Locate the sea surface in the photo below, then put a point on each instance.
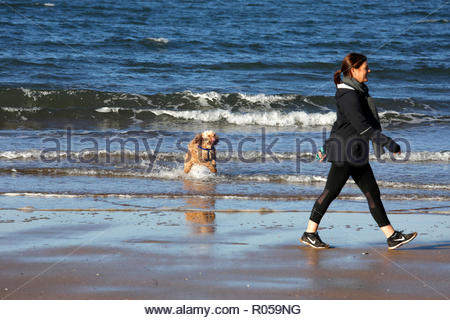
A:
(101, 98)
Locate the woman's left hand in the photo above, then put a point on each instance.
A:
(322, 156)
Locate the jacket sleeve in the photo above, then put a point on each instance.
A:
(351, 107)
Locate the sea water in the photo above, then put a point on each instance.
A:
(101, 98)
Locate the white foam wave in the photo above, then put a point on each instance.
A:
(267, 118)
(41, 195)
(433, 21)
(285, 197)
(35, 94)
(420, 156)
(206, 98)
(423, 156)
(46, 4)
(158, 40)
(35, 154)
(108, 110)
(303, 179)
(20, 155)
(407, 117)
(270, 118)
(407, 185)
(178, 173)
(315, 104)
(15, 109)
(31, 155)
(250, 114)
(265, 99)
(200, 173)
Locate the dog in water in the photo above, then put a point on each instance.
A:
(201, 150)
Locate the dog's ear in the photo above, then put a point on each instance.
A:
(198, 139)
(216, 140)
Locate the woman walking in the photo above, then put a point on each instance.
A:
(348, 149)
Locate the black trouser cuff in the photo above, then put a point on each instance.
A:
(316, 215)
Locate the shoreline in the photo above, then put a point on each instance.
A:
(208, 254)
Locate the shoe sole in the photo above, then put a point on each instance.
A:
(309, 244)
(404, 242)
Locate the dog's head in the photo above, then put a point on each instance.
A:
(207, 139)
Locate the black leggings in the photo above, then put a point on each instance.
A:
(363, 176)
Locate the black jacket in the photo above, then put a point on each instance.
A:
(354, 127)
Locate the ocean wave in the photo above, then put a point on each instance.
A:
(231, 196)
(390, 116)
(132, 156)
(178, 174)
(427, 156)
(64, 106)
(272, 118)
(303, 179)
(158, 40)
(277, 118)
(433, 21)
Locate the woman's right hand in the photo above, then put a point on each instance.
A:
(393, 147)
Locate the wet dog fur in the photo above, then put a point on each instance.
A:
(206, 156)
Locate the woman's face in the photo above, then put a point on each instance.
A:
(360, 74)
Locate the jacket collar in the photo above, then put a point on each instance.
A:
(344, 86)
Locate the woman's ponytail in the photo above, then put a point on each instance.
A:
(337, 77)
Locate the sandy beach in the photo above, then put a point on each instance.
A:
(117, 249)
(99, 101)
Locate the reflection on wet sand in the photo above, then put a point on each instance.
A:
(201, 221)
(312, 257)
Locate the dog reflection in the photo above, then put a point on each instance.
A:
(202, 221)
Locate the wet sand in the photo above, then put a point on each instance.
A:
(213, 255)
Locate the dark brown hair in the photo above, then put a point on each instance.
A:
(352, 60)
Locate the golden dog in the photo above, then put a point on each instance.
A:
(201, 150)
